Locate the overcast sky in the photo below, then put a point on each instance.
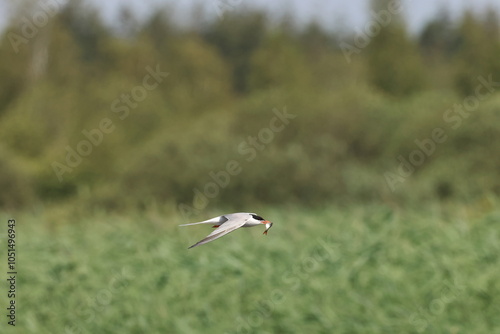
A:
(333, 13)
(349, 13)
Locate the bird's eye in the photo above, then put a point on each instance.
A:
(257, 217)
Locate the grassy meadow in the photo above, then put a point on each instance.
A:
(371, 269)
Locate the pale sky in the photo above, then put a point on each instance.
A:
(350, 14)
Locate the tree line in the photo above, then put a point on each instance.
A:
(138, 113)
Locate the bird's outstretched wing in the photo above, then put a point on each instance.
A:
(221, 231)
(217, 220)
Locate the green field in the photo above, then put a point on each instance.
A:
(335, 270)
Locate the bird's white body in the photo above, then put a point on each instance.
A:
(229, 223)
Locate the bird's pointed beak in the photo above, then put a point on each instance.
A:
(268, 226)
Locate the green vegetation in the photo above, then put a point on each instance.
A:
(341, 270)
(139, 115)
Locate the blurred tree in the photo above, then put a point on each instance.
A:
(279, 63)
(325, 60)
(15, 181)
(160, 31)
(478, 52)
(438, 44)
(201, 79)
(86, 28)
(492, 24)
(13, 74)
(438, 39)
(128, 24)
(394, 63)
(315, 41)
(60, 85)
(236, 37)
(64, 55)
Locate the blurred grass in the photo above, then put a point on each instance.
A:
(348, 269)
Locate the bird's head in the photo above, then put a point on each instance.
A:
(263, 221)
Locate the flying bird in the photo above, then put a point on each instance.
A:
(228, 223)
